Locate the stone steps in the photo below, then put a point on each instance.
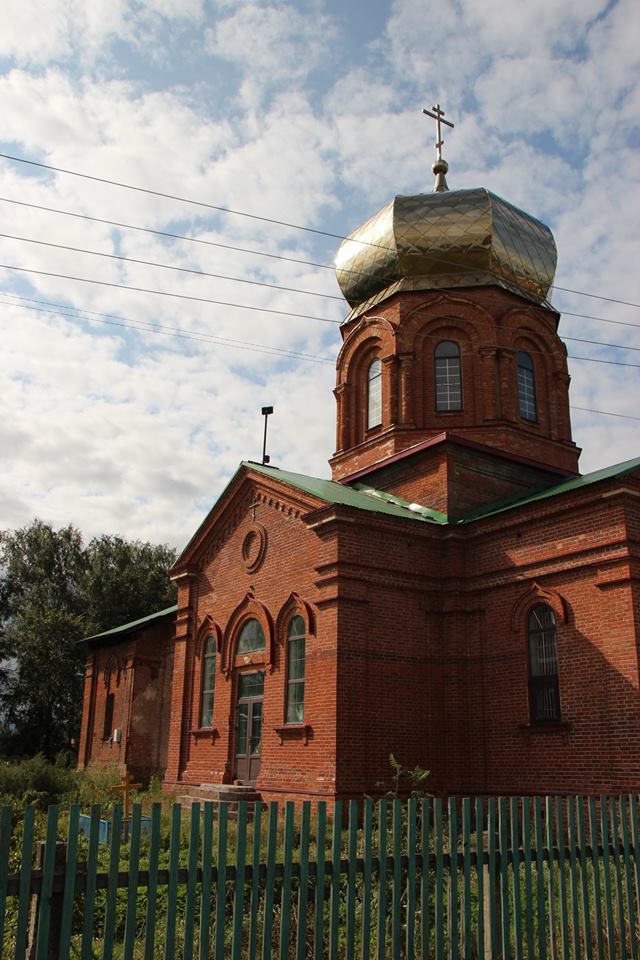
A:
(217, 793)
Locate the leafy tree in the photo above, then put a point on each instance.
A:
(125, 580)
(42, 622)
(54, 592)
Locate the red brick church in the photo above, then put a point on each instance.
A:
(458, 595)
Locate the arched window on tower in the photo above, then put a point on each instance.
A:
(447, 376)
(374, 394)
(295, 669)
(526, 387)
(544, 685)
(208, 681)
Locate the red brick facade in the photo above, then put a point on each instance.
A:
(417, 628)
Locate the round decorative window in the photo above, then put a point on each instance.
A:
(254, 547)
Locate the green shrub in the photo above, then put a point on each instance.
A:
(95, 785)
(35, 781)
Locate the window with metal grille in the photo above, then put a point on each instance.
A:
(526, 387)
(208, 681)
(295, 669)
(374, 394)
(544, 686)
(447, 376)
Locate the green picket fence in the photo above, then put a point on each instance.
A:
(511, 878)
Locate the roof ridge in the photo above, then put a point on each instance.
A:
(544, 493)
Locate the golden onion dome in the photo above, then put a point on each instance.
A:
(457, 238)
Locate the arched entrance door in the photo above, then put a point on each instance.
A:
(249, 726)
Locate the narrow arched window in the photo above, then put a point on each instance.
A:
(447, 376)
(295, 669)
(526, 387)
(374, 394)
(251, 638)
(544, 686)
(107, 726)
(208, 681)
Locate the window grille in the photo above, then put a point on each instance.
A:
(374, 395)
(544, 686)
(526, 387)
(448, 379)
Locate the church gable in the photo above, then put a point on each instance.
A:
(245, 492)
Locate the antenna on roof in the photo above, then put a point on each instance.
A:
(266, 413)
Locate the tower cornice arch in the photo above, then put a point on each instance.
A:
(455, 309)
(542, 318)
(376, 328)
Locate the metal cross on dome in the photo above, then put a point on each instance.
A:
(438, 115)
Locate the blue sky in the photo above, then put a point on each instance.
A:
(304, 112)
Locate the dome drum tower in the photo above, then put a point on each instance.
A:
(451, 338)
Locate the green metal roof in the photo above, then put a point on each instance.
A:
(566, 486)
(128, 627)
(360, 495)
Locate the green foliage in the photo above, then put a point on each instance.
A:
(42, 621)
(35, 781)
(405, 780)
(125, 580)
(53, 592)
(95, 785)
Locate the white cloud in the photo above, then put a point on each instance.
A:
(274, 45)
(38, 32)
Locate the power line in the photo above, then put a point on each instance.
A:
(171, 196)
(167, 293)
(167, 266)
(586, 316)
(124, 321)
(163, 329)
(260, 283)
(166, 330)
(183, 296)
(605, 413)
(169, 235)
(241, 213)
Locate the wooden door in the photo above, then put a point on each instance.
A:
(249, 726)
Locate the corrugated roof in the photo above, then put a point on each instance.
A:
(127, 627)
(360, 495)
(575, 483)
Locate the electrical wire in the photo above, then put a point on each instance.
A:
(260, 283)
(167, 266)
(166, 330)
(177, 331)
(251, 216)
(169, 235)
(171, 196)
(167, 293)
(295, 315)
(605, 413)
